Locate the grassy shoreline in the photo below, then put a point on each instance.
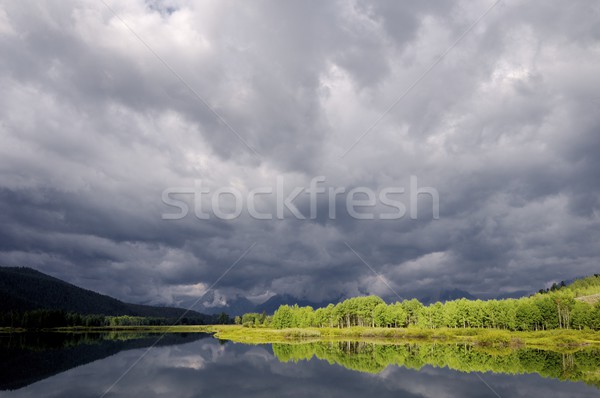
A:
(557, 339)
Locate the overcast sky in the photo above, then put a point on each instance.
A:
(104, 106)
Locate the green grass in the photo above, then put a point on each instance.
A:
(561, 339)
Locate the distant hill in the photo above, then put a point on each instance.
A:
(237, 305)
(581, 287)
(24, 289)
(274, 302)
(585, 289)
(240, 305)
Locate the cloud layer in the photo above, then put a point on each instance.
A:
(94, 126)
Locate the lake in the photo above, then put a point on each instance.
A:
(198, 365)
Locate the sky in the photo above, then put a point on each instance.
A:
(108, 108)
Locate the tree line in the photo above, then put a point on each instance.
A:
(552, 309)
(47, 318)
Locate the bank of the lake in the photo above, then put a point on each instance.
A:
(559, 339)
(555, 339)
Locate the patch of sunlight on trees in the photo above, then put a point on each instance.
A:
(554, 308)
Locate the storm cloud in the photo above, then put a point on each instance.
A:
(104, 106)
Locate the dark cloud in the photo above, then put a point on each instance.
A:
(93, 128)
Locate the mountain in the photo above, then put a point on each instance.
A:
(274, 302)
(213, 303)
(23, 289)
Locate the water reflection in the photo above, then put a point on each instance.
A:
(206, 367)
(581, 365)
(29, 357)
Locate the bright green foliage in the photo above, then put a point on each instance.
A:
(397, 315)
(595, 317)
(565, 302)
(357, 311)
(552, 309)
(527, 315)
(282, 318)
(413, 309)
(585, 286)
(548, 313)
(432, 317)
(253, 319)
(582, 315)
(303, 316)
(380, 315)
(325, 317)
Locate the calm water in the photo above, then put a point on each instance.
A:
(197, 365)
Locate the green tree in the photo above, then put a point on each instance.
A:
(564, 305)
(380, 314)
(548, 312)
(223, 319)
(413, 308)
(581, 316)
(282, 318)
(527, 315)
(397, 315)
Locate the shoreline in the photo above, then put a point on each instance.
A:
(556, 339)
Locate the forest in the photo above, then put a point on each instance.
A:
(44, 318)
(573, 306)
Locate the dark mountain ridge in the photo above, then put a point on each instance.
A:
(25, 289)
